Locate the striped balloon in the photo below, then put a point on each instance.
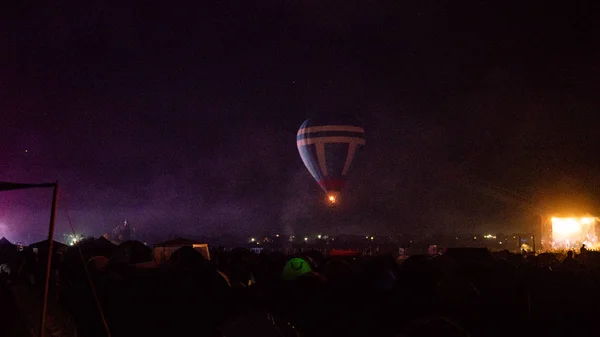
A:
(327, 147)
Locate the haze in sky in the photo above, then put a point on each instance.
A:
(182, 120)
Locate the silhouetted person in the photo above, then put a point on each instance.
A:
(569, 262)
(583, 250)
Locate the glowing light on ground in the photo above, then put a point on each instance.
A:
(73, 239)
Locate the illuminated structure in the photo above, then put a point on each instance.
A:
(560, 233)
(163, 251)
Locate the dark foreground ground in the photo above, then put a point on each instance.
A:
(11, 323)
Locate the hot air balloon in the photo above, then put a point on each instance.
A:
(327, 147)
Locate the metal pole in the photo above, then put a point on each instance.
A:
(48, 261)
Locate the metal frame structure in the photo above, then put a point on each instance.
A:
(9, 186)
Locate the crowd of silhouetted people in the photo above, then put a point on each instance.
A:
(463, 292)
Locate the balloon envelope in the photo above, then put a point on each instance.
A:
(328, 147)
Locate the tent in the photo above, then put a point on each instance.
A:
(163, 251)
(132, 252)
(294, 268)
(98, 262)
(41, 247)
(188, 256)
(97, 247)
(7, 250)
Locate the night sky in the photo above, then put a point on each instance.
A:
(183, 119)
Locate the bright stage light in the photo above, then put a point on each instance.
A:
(573, 230)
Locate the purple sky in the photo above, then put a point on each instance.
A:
(183, 120)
